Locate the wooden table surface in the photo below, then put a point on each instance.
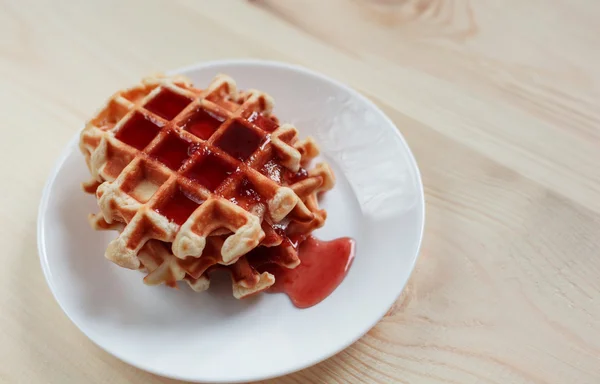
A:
(499, 100)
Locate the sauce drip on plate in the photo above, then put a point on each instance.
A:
(323, 266)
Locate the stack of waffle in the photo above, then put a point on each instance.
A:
(198, 180)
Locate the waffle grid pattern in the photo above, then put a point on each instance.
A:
(197, 178)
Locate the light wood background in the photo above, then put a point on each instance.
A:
(499, 100)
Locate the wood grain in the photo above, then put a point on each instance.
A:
(500, 101)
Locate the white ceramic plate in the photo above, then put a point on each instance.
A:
(212, 337)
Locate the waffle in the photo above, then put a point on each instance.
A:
(193, 180)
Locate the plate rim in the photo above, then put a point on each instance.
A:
(72, 144)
